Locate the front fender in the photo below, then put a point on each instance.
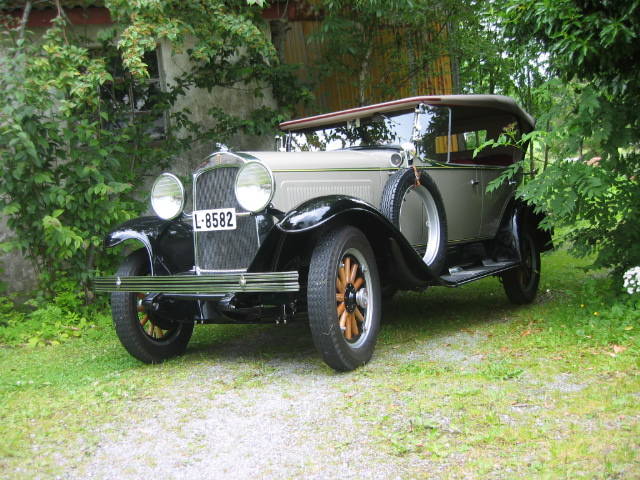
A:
(169, 243)
(296, 233)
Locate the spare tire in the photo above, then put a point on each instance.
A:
(418, 212)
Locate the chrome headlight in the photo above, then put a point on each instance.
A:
(167, 196)
(254, 186)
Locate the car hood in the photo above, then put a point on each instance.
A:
(337, 159)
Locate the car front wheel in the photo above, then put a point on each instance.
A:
(145, 335)
(521, 284)
(343, 298)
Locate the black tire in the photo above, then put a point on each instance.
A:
(157, 344)
(397, 187)
(521, 284)
(337, 250)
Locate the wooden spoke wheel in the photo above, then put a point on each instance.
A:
(149, 337)
(351, 298)
(343, 298)
(149, 325)
(521, 284)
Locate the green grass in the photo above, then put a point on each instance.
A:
(462, 378)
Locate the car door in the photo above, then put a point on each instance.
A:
(492, 163)
(495, 202)
(460, 188)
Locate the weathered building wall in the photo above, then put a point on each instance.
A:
(237, 100)
(18, 273)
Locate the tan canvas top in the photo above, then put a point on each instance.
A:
(499, 102)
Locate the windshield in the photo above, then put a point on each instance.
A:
(378, 130)
(390, 130)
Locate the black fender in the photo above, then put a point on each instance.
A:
(169, 243)
(527, 218)
(297, 231)
(518, 218)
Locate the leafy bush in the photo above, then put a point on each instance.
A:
(599, 204)
(49, 322)
(71, 147)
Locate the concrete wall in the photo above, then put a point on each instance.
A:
(238, 100)
(16, 272)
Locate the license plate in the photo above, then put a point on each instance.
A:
(215, 219)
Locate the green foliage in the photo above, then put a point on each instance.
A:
(591, 48)
(67, 174)
(379, 46)
(73, 152)
(599, 203)
(48, 321)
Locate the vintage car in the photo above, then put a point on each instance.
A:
(351, 207)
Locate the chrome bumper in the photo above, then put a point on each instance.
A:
(209, 283)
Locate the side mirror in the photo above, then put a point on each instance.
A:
(280, 143)
(409, 152)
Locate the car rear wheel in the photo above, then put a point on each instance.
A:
(416, 209)
(343, 298)
(145, 335)
(521, 284)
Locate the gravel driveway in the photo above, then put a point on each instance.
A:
(287, 419)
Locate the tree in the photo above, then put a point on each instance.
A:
(380, 46)
(71, 153)
(593, 48)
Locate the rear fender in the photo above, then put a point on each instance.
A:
(529, 220)
(520, 217)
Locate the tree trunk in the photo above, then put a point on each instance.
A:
(22, 26)
(89, 296)
(364, 75)
(546, 150)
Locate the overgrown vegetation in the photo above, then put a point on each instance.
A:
(44, 320)
(569, 63)
(73, 148)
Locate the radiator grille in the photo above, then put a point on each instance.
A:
(224, 249)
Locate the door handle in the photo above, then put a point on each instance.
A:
(474, 182)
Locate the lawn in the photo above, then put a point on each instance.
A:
(461, 378)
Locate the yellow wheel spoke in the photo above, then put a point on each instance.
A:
(343, 320)
(341, 308)
(354, 325)
(354, 272)
(358, 283)
(144, 320)
(343, 276)
(359, 315)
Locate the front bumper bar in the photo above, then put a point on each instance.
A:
(209, 283)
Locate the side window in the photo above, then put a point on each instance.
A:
(433, 125)
(471, 127)
(137, 102)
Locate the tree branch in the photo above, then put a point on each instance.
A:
(25, 19)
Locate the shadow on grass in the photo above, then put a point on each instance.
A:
(409, 317)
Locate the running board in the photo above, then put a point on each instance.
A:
(459, 276)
